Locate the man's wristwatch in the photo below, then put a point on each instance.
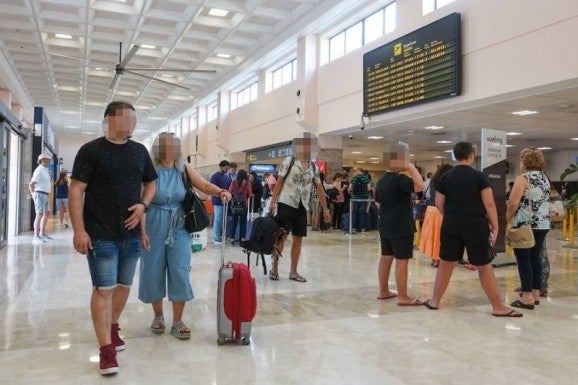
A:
(146, 206)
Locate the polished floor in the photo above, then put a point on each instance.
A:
(330, 330)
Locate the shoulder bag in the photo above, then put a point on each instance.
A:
(195, 215)
(521, 237)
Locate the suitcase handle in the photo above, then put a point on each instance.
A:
(224, 229)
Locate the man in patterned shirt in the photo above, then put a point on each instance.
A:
(297, 176)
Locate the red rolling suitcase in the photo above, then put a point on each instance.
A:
(236, 299)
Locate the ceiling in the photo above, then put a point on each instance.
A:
(71, 77)
(554, 125)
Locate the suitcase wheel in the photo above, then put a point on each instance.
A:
(245, 341)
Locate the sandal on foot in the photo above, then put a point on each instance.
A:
(389, 295)
(522, 305)
(413, 302)
(511, 313)
(428, 305)
(273, 276)
(180, 331)
(158, 325)
(297, 278)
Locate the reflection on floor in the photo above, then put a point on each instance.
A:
(330, 330)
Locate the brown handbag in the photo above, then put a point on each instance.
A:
(521, 237)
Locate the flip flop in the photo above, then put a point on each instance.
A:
(390, 295)
(511, 313)
(427, 304)
(298, 278)
(414, 302)
(273, 276)
(522, 305)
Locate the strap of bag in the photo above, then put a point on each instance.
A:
(286, 175)
(186, 179)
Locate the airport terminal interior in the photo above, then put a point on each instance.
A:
(240, 80)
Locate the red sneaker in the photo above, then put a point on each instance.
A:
(115, 338)
(108, 364)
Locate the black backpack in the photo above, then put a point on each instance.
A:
(359, 188)
(264, 234)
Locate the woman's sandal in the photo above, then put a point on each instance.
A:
(180, 331)
(158, 325)
(274, 272)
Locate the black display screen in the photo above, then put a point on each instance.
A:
(421, 66)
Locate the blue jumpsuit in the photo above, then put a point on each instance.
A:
(166, 266)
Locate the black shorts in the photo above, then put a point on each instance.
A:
(469, 233)
(292, 219)
(400, 248)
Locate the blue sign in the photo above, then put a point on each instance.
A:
(262, 168)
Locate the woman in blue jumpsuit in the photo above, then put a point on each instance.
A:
(166, 257)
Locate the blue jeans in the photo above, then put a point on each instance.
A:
(530, 263)
(218, 223)
(242, 221)
(113, 262)
(360, 216)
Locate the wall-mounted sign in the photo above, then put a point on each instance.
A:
(262, 168)
(421, 66)
(280, 150)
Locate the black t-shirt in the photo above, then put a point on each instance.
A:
(462, 186)
(393, 193)
(114, 174)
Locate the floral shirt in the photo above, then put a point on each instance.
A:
(298, 183)
(534, 202)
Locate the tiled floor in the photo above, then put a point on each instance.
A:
(330, 330)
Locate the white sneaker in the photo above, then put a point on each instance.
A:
(38, 240)
(45, 237)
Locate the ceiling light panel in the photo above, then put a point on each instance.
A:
(524, 112)
(217, 12)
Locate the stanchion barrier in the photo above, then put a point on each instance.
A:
(571, 225)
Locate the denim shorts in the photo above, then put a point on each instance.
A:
(41, 203)
(113, 263)
(62, 203)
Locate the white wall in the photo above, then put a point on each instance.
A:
(68, 146)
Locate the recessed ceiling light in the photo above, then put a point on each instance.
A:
(167, 76)
(524, 112)
(439, 157)
(411, 154)
(444, 141)
(513, 133)
(449, 151)
(223, 55)
(218, 12)
(374, 158)
(574, 138)
(434, 127)
(544, 148)
(509, 145)
(375, 137)
(62, 36)
(361, 161)
(148, 46)
(375, 162)
(356, 152)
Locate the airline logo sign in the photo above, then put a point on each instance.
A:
(493, 147)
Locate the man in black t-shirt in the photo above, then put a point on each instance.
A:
(396, 227)
(470, 222)
(113, 181)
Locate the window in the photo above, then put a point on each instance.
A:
(431, 5)
(284, 74)
(246, 95)
(212, 112)
(367, 30)
(192, 122)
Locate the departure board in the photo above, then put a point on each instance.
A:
(421, 66)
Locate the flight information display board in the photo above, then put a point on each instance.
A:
(421, 66)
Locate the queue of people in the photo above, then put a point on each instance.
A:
(121, 214)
